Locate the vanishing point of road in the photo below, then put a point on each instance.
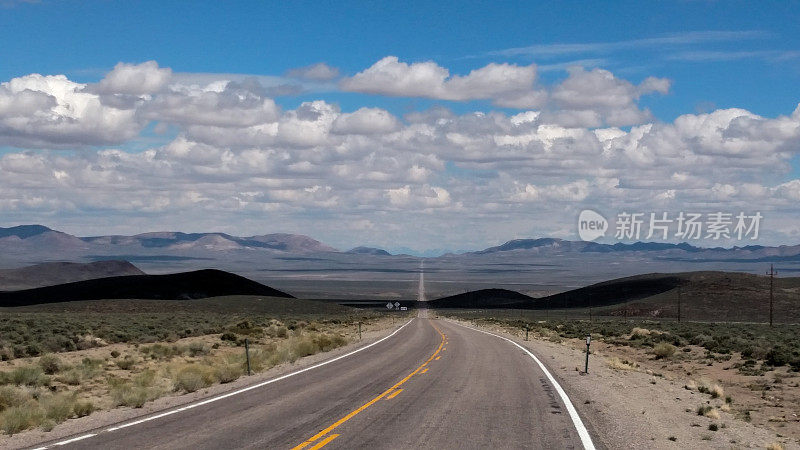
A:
(430, 384)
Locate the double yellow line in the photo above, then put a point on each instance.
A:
(391, 392)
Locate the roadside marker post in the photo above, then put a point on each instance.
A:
(588, 341)
(359, 331)
(247, 354)
(526, 332)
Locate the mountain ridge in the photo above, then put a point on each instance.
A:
(41, 235)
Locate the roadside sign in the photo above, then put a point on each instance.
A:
(404, 308)
(396, 304)
(389, 305)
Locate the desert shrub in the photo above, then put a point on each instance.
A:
(274, 331)
(50, 364)
(83, 408)
(246, 328)
(327, 342)
(781, 355)
(146, 378)
(713, 427)
(197, 349)
(59, 407)
(637, 332)
(28, 376)
(162, 352)
(226, 372)
(228, 336)
(129, 394)
(701, 340)
(115, 353)
(10, 397)
(71, 377)
(193, 377)
(126, 363)
(663, 350)
(304, 346)
(20, 418)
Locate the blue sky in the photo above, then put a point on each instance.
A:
(714, 55)
(759, 69)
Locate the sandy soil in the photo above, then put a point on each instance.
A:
(649, 406)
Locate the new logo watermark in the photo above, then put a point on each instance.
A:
(685, 225)
(591, 225)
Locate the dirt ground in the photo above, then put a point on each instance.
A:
(629, 399)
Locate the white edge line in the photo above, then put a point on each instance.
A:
(231, 394)
(583, 433)
(75, 439)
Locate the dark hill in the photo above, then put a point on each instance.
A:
(177, 286)
(612, 292)
(484, 298)
(601, 294)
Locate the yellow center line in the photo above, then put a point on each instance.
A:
(350, 415)
(394, 394)
(424, 370)
(437, 358)
(324, 442)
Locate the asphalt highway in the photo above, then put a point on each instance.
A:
(433, 384)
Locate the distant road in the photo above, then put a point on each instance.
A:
(421, 289)
(432, 384)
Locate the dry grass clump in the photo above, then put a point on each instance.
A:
(135, 393)
(21, 409)
(775, 446)
(663, 350)
(639, 332)
(126, 363)
(193, 377)
(227, 372)
(25, 376)
(708, 411)
(618, 364)
(714, 390)
(50, 364)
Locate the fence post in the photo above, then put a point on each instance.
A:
(247, 354)
(588, 341)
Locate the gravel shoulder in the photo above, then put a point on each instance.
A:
(640, 408)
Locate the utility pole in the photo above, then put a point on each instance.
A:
(771, 274)
(680, 291)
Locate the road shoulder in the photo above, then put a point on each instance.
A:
(631, 409)
(108, 418)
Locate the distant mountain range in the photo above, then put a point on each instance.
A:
(552, 245)
(41, 238)
(40, 235)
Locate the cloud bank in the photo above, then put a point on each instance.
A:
(238, 162)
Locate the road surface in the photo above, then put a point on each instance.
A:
(421, 288)
(431, 384)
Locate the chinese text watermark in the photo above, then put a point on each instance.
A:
(683, 225)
